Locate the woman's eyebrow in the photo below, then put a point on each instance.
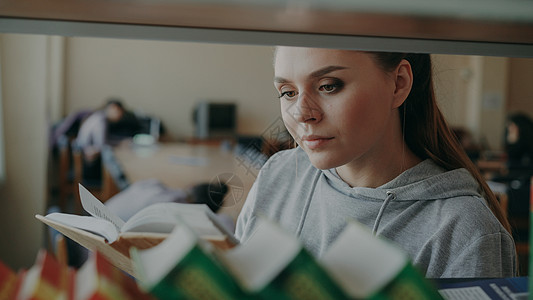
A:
(280, 80)
(315, 74)
(325, 71)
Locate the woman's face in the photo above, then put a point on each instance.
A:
(338, 105)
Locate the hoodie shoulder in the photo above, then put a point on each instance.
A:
(428, 181)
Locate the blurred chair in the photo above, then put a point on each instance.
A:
(61, 136)
(519, 193)
(93, 185)
(65, 250)
(113, 180)
(516, 204)
(65, 171)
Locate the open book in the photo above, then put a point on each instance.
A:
(106, 232)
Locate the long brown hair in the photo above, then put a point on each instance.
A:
(426, 132)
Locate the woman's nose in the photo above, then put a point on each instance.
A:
(306, 109)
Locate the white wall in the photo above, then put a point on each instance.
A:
(452, 78)
(24, 68)
(166, 79)
(520, 85)
(472, 92)
(493, 100)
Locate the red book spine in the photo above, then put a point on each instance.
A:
(127, 284)
(8, 282)
(54, 278)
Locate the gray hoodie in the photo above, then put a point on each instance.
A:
(436, 216)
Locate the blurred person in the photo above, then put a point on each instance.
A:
(106, 126)
(518, 168)
(519, 141)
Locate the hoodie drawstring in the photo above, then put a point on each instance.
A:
(390, 196)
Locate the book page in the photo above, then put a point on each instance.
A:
(162, 218)
(97, 209)
(95, 225)
(361, 262)
(154, 263)
(268, 251)
(469, 293)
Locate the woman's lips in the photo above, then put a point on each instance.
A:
(315, 142)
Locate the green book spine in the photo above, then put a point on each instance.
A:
(197, 276)
(530, 271)
(408, 284)
(304, 279)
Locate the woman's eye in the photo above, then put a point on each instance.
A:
(288, 94)
(328, 87)
(331, 87)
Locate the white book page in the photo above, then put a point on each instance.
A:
(29, 282)
(162, 218)
(258, 261)
(361, 262)
(95, 225)
(97, 209)
(466, 293)
(86, 277)
(154, 263)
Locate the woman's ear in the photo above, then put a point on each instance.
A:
(404, 82)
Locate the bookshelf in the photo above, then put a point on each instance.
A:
(475, 27)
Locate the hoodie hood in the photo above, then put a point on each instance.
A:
(425, 181)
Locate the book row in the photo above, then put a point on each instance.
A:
(50, 279)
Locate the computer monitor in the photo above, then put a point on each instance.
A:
(215, 120)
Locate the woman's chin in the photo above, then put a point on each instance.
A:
(322, 162)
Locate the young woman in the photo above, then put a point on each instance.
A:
(374, 147)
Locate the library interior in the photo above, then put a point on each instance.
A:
(140, 114)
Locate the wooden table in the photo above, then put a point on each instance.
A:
(179, 165)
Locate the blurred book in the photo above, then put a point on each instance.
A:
(47, 279)
(183, 267)
(273, 264)
(370, 267)
(9, 282)
(98, 279)
(512, 288)
(531, 233)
